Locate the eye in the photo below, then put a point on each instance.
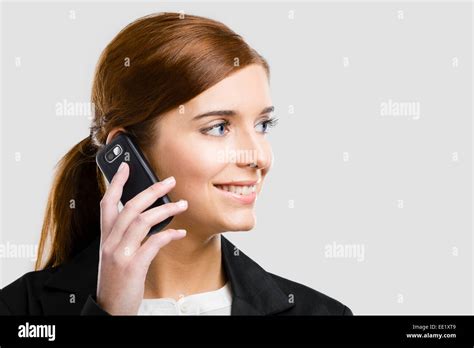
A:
(269, 123)
(216, 130)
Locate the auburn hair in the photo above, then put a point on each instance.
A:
(156, 63)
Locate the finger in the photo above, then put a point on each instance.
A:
(140, 227)
(146, 253)
(136, 205)
(110, 200)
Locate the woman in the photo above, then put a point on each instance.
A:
(197, 99)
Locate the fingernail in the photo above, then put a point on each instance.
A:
(181, 231)
(169, 181)
(182, 203)
(122, 165)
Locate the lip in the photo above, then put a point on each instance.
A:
(247, 199)
(239, 183)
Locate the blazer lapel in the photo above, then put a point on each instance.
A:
(254, 292)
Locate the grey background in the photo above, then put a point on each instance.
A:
(417, 259)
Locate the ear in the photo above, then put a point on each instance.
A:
(113, 133)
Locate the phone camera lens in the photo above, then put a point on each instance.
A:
(113, 154)
(110, 156)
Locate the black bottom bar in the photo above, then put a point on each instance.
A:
(162, 330)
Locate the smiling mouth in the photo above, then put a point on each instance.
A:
(242, 190)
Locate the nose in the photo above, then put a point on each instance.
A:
(255, 150)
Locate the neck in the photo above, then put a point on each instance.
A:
(186, 266)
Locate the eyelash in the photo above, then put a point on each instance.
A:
(271, 122)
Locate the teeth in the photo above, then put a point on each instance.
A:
(240, 190)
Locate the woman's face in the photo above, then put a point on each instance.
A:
(202, 152)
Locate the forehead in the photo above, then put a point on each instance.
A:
(247, 90)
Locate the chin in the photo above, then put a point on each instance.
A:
(240, 224)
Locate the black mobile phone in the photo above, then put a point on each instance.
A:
(122, 148)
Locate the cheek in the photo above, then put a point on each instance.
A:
(193, 164)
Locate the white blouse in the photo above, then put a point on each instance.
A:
(216, 302)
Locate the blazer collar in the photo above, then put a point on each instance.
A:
(254, 291)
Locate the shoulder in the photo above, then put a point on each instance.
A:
(309, 301)
(22, 295)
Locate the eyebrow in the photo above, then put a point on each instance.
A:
(266, 110)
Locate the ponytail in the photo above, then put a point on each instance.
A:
(72, 215)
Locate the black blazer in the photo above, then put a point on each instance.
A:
(70, 289)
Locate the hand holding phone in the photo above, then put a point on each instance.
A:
(124, 255)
